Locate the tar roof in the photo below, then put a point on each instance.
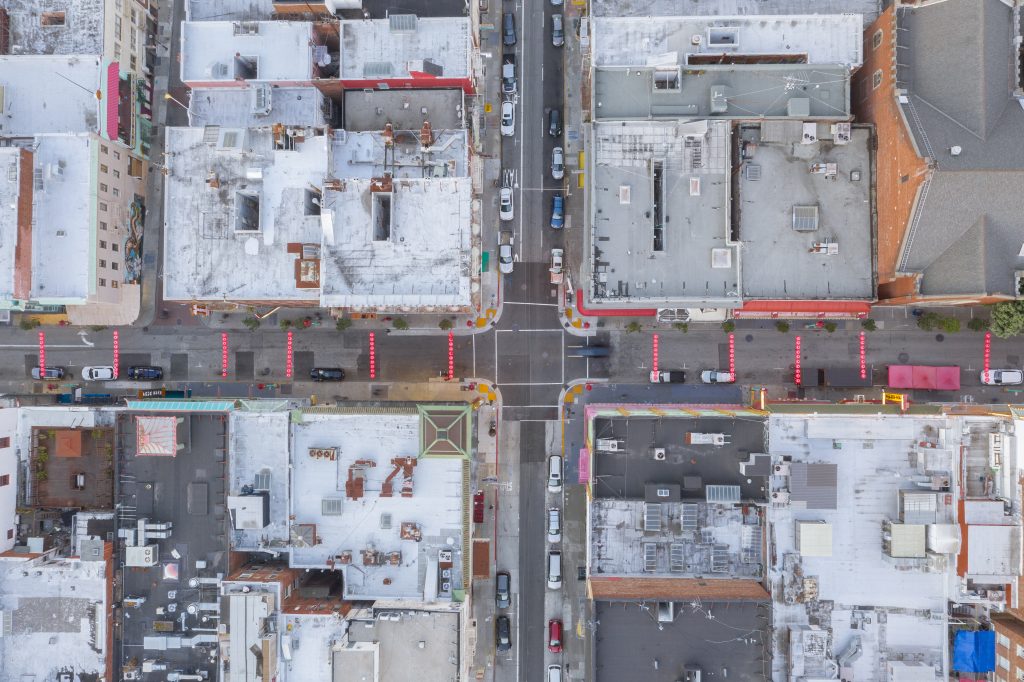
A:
(852, 568)
(58, 607)
(421, 258)
(212, 187)
(724, 91)
(383, 48)
(247, 107)
(343, 465)
(955, 62)
(264, 51)
(10, 161)
(63, 217)
(404, 644)
(695, 263)
(67, 103)
(785, 176)
(821, 38)
(642, 8)
(55, 26)
(371, 110)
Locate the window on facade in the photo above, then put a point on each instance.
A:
(52, 19)
(103, 225)
(1020, 651)
(103, 263)
(117, 173)
(876, 39)
(117, 29)
(10, 533)
(5, 442)
(103, 207)
(103, 149)
(113, 284)
(1020, 674)
(116, 192)
(113, 247)
(103, 187)
(103, 282)
(1003, 640)
(5, 480)
(133, 62)
(876, 79)
(113, 266)
(1004, 662)
(117, 154)
(103, 244)
(103, 168)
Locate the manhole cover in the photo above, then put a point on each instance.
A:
(903, 358)
(940, 338)
(748, 338)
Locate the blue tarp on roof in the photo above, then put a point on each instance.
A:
(974, 652)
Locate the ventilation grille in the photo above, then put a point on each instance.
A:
(262, 481)
(402, 23)
(650, 557)
(331, 506)
(652, 517)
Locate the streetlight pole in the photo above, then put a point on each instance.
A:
(169, 97)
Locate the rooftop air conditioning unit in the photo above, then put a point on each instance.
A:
(659, 454)
(217, 70)
(261, 100)
(781, 469)
(780, 497)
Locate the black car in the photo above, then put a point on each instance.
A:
(508, 29)
(503, 590)
(145, 373)
(503, 633)
(50, 373)
(327, 374)
(555, 123)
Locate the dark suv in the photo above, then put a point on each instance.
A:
(508, 29)
(50, 373)
(503, 590)
(145, 373)
(555, 122)
(327, 374)
(503, 633)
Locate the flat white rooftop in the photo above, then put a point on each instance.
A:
(409, 247)
(9, 193)
(246, 107)
(211, 251)
(50, 94)
(228, 10)
(258, 454)
(46, 27)
(361, 155)
(315, 638)
(872, 456)
(639, 41)
(405, 46)
(364, 445)
(57, 608)
(63, 217)
(226, 51)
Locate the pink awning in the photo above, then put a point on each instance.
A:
(113, 96)
(583, 472)
(924, 377)
(947, 378)
(901, 376)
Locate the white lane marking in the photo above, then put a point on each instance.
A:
(85, 338)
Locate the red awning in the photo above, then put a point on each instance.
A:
(901, 376)
(845, 309)
(924, 377)
(611, 312)
(113, 96)
(947, 378)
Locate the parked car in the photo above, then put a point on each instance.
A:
(556, 266)
(327, 374)
(716, 376)
(693, 673)
(505, 208)
(554, 569)
(503, 590)
(557, 212)
(509, 85)
(554, 473)
(1003, 377)
(478, 506)
(674, 376)
(593, 351)
(50, 373)
(557, 163)
(503, 633)
(508, 119)
(556, 3)
(98, 373)
(554, 122)
(554, 525)
(554, 673)
(145, 373)
(506, 259)
(508, 29)
(557, 30)
(555, 636)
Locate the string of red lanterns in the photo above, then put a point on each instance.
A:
(796, 376)
(988, 351)
(224, 355)
(117, 353)
(42, 355)
(863, 363)
(732, 356)
(373, 356)
(288, 358)
(451, 356)
(654, 353)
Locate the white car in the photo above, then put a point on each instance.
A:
(508, 119)
(1002, 377)
(505, 257)
(505, 209)
(97, 373)
(714, 376)
(554, 525)
(557, 163)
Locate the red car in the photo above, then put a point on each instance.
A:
(478, 506)
(555, 636)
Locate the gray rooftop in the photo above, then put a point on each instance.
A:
(81, 31)
(10, 164)
(246, 107)
(779, 182)
(723, 91)
(209, 252)
(227, 10)
(67, 103)
(380, 48)
(361, 155)
(404, 109)
(626, 266)
(955, 64)
(635, 8)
